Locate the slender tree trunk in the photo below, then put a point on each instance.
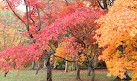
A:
(78, 72)
(6, 73)
(38, 68)
(33, 64)
(49, 71)
(44, 64)
(73, 64)
(66, 65)
(38, 65)
(55, 67)
(89, 70)
(93, 75)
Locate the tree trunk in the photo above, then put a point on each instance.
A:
(89, 70)
(55, 66)
(78, 72)
(73, 64)
(93, 75)
(6, 73)
(49, 71)
(38, 65)
(45, 61)
(66, 65)
(125, 79)
(33, 64)
(38, 68)
(105, 4)
(44, 65)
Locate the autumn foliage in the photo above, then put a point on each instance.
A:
(46, 28)
(118, 36)
(60, 29)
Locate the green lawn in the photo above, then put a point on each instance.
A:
(58, 75)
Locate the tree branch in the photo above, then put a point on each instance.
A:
(15, 13)
(99, 4)
(64, 59)
(78, 39)
(27, 16)
(27, 25)
(31, 17)
(39, 27)
(67, 2)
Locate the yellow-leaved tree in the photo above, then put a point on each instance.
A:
(10, 34)
(70, 57)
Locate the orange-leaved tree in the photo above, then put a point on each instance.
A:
(118, 35)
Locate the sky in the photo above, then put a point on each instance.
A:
(21, 7)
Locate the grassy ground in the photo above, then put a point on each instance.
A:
(58, 75)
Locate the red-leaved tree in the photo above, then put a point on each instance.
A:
(47, 24)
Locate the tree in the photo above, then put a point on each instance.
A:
(80, 32)
(33, 24)
(10, 35)
(46, 28)
(118, 36)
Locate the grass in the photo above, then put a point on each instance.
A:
(58, 75)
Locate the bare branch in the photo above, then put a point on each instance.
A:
(64, 59)
(15, 13)
(27, 16)
(78, 38)
(100, 4)
(27, 25)
(39, 27)
(31, 17)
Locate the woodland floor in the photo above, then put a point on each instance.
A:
(58, 75)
